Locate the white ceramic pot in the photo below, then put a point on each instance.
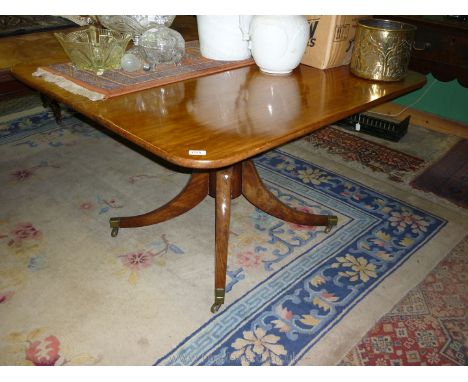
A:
(224, 38)
(278, 42)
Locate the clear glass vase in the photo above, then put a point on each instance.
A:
(134, 24)
(162, 45)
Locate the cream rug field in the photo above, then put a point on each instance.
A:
(72, 294)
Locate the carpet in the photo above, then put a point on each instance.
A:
(448, 178)
(15, 25)
(72, 295)
(375, 156)
(395, 163)
(19, 104)
(428, 327)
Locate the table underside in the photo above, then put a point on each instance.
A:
(226, 119)
(224, 185)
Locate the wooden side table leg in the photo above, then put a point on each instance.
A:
(222, 220)
(54, 106)
(256, 193)
(193, 193)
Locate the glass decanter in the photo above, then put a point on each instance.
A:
(162, 45)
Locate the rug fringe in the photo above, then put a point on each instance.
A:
(68, 85)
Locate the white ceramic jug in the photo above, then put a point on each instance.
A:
(278, 42)
(224, 38)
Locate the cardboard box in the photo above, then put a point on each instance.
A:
(331, 40)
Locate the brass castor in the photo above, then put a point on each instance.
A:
(332, 222)
(114, 224)
(219, 300)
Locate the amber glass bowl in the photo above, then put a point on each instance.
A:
(94, 49)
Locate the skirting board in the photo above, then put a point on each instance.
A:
(424, 119)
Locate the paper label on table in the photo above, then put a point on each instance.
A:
(197, 152)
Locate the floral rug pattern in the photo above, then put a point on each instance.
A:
(319, 293)
(40, 348)
(71, 294)
(371, 155)
(428, 327)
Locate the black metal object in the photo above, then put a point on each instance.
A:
(54, 106)
(378, 127)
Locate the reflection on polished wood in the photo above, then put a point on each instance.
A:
(222, 220)
(229, 118)
(236, 181)
(233, 115)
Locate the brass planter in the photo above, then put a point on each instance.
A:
(382, 49)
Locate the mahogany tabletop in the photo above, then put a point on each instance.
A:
(221, 119)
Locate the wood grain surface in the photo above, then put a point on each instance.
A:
(230, 116)
(193, 193)
(222, 222)
(258, 194)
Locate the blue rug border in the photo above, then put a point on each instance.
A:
(304, 351)
(362, 185)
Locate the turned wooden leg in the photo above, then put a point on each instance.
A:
(222, 218)
(54, 106)
(236, 181)
(256, 193)
(192, 194)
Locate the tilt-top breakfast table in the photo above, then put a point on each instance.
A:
(216, 124)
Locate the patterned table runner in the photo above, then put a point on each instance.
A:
(118, 82)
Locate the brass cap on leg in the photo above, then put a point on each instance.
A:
(332, 221)
(114, 224)
(219, 299)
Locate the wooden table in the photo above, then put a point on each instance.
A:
(214, 125)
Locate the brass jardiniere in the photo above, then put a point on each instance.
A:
(382, 49)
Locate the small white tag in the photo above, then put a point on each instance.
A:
(197, 152)
(358, 126)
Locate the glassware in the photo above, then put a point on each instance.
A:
(163, 45)
(135, 58)
(94, 49)
(134, 24)
(131, 62)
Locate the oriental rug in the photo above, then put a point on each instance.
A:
(448, 178)
(372, 155)
(428, 327)
(71, 294)
(396, 163)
